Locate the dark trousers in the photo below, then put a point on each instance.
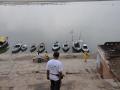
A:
(55, 85)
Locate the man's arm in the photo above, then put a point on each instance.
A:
(48, 74)
(61, 75)
(60, 71)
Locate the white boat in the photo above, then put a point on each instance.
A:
(76, 46)
(41, 48)
(56, 46)
(16, 48)
(33, 48)
(23, 47)
(65, 47)
(85, 48)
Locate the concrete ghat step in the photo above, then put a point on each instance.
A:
(114, 83)
(6, 88)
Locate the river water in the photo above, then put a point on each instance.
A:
(93, 22)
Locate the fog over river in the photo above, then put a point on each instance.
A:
(94, 22)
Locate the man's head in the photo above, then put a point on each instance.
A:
(56, 55)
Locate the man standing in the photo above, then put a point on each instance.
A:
(46, 56)
(54, 72)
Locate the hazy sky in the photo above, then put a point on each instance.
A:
(96, 21)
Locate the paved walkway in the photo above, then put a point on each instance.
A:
(26, 75)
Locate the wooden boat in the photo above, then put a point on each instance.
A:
(23, 47)
(16, 48)
(56, 46)
(85, 48)
(3, 42)
(76, 46)
(33, 48)
(41, 48)
(65, 47)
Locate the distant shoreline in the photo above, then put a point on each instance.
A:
(44, 2)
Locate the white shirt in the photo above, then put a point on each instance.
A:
(54, 67)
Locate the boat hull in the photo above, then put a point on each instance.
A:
(32, 49)
(65, 49)
(56, 46)
(85, 50)
(56, 49)
(23, 47)
(76, 47)
(41, 48)
(16, 50)
(3, 42)
(5, 45)
(76, 50)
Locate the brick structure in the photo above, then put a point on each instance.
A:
(109, 59)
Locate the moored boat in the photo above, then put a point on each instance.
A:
(3, 42)
(41, 48)
(33, 48)
(65, 47)
(23, 47)
(56, 46)
(16, 48)
(76, 46)
(85, 48)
